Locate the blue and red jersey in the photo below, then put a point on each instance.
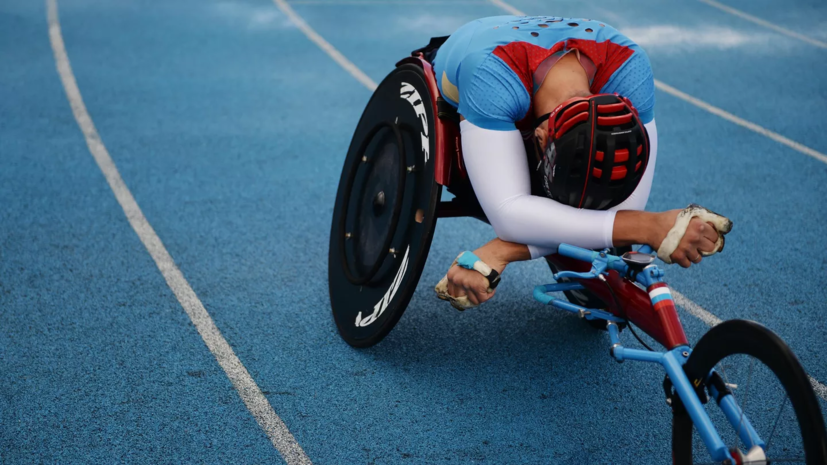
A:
(487, 67)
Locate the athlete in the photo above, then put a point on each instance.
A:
(557, 117)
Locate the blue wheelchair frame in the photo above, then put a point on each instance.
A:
(672, 360)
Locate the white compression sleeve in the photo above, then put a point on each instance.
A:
(498, 168)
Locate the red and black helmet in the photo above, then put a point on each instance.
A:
(596, 151)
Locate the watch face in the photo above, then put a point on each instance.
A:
(637, 258)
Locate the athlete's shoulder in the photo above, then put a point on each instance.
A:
(491, 95)
(633, 77)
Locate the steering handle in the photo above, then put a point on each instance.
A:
(598, 267)
(572, 274)
(600, 261)
(577, 253)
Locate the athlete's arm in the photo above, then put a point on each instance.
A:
(498, 169)
(624, 230)
(504, 193)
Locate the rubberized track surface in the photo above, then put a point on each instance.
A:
(229, 126)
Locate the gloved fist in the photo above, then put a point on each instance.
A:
(696, 233)
(469, 282)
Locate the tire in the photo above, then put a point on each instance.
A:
(385, 211)
(734, 337)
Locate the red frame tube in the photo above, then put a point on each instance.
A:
(661, 322)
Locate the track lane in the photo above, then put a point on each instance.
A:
(474, 387)
(750, 71)
(799, 176)
(757, 141)
(246, 387)
(100, 365)
(767, 24)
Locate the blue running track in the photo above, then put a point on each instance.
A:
(229, 127)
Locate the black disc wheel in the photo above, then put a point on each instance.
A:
(781, 420)
(385, 211)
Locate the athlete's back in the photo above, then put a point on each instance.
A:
(487, 67)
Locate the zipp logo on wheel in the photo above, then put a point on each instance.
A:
(409, 93)
(380, 306)
(370, 291)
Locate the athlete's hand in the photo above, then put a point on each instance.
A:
(462, 282)
(470, 283)
(699, 237)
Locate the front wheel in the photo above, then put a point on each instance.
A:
(781, 420)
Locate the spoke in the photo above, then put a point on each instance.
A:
(721, 366)
(778, 417)
(767, 462)
(732, 387)
(746, 396)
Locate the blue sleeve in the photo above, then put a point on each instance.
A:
(491, 95)
(634, 80)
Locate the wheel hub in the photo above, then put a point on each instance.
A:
(379, 203)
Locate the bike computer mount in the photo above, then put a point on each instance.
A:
(637, 260)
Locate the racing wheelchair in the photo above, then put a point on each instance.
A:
(406, 149)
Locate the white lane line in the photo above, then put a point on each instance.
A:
(710, 108)
(247, 389)
(691, 307)
(325, 45)
(711, 320)
(765, 23)
(741, 122)
(385, 2)
(820, 389)
(695, 310)
(511, 9)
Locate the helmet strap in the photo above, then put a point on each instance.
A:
(541, 120)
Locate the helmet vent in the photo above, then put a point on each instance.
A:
(599, 151)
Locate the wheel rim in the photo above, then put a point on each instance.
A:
(769, 385)
(765, 408)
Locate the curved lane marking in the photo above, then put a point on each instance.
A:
(247, 389)
(509, 8)
(711, 320)
(325, 45)
(741, 122)
(765, 23)
(710, 108)
(383, 2)
(691, 307)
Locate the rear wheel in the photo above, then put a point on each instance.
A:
(385, 211)
(772, 390)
